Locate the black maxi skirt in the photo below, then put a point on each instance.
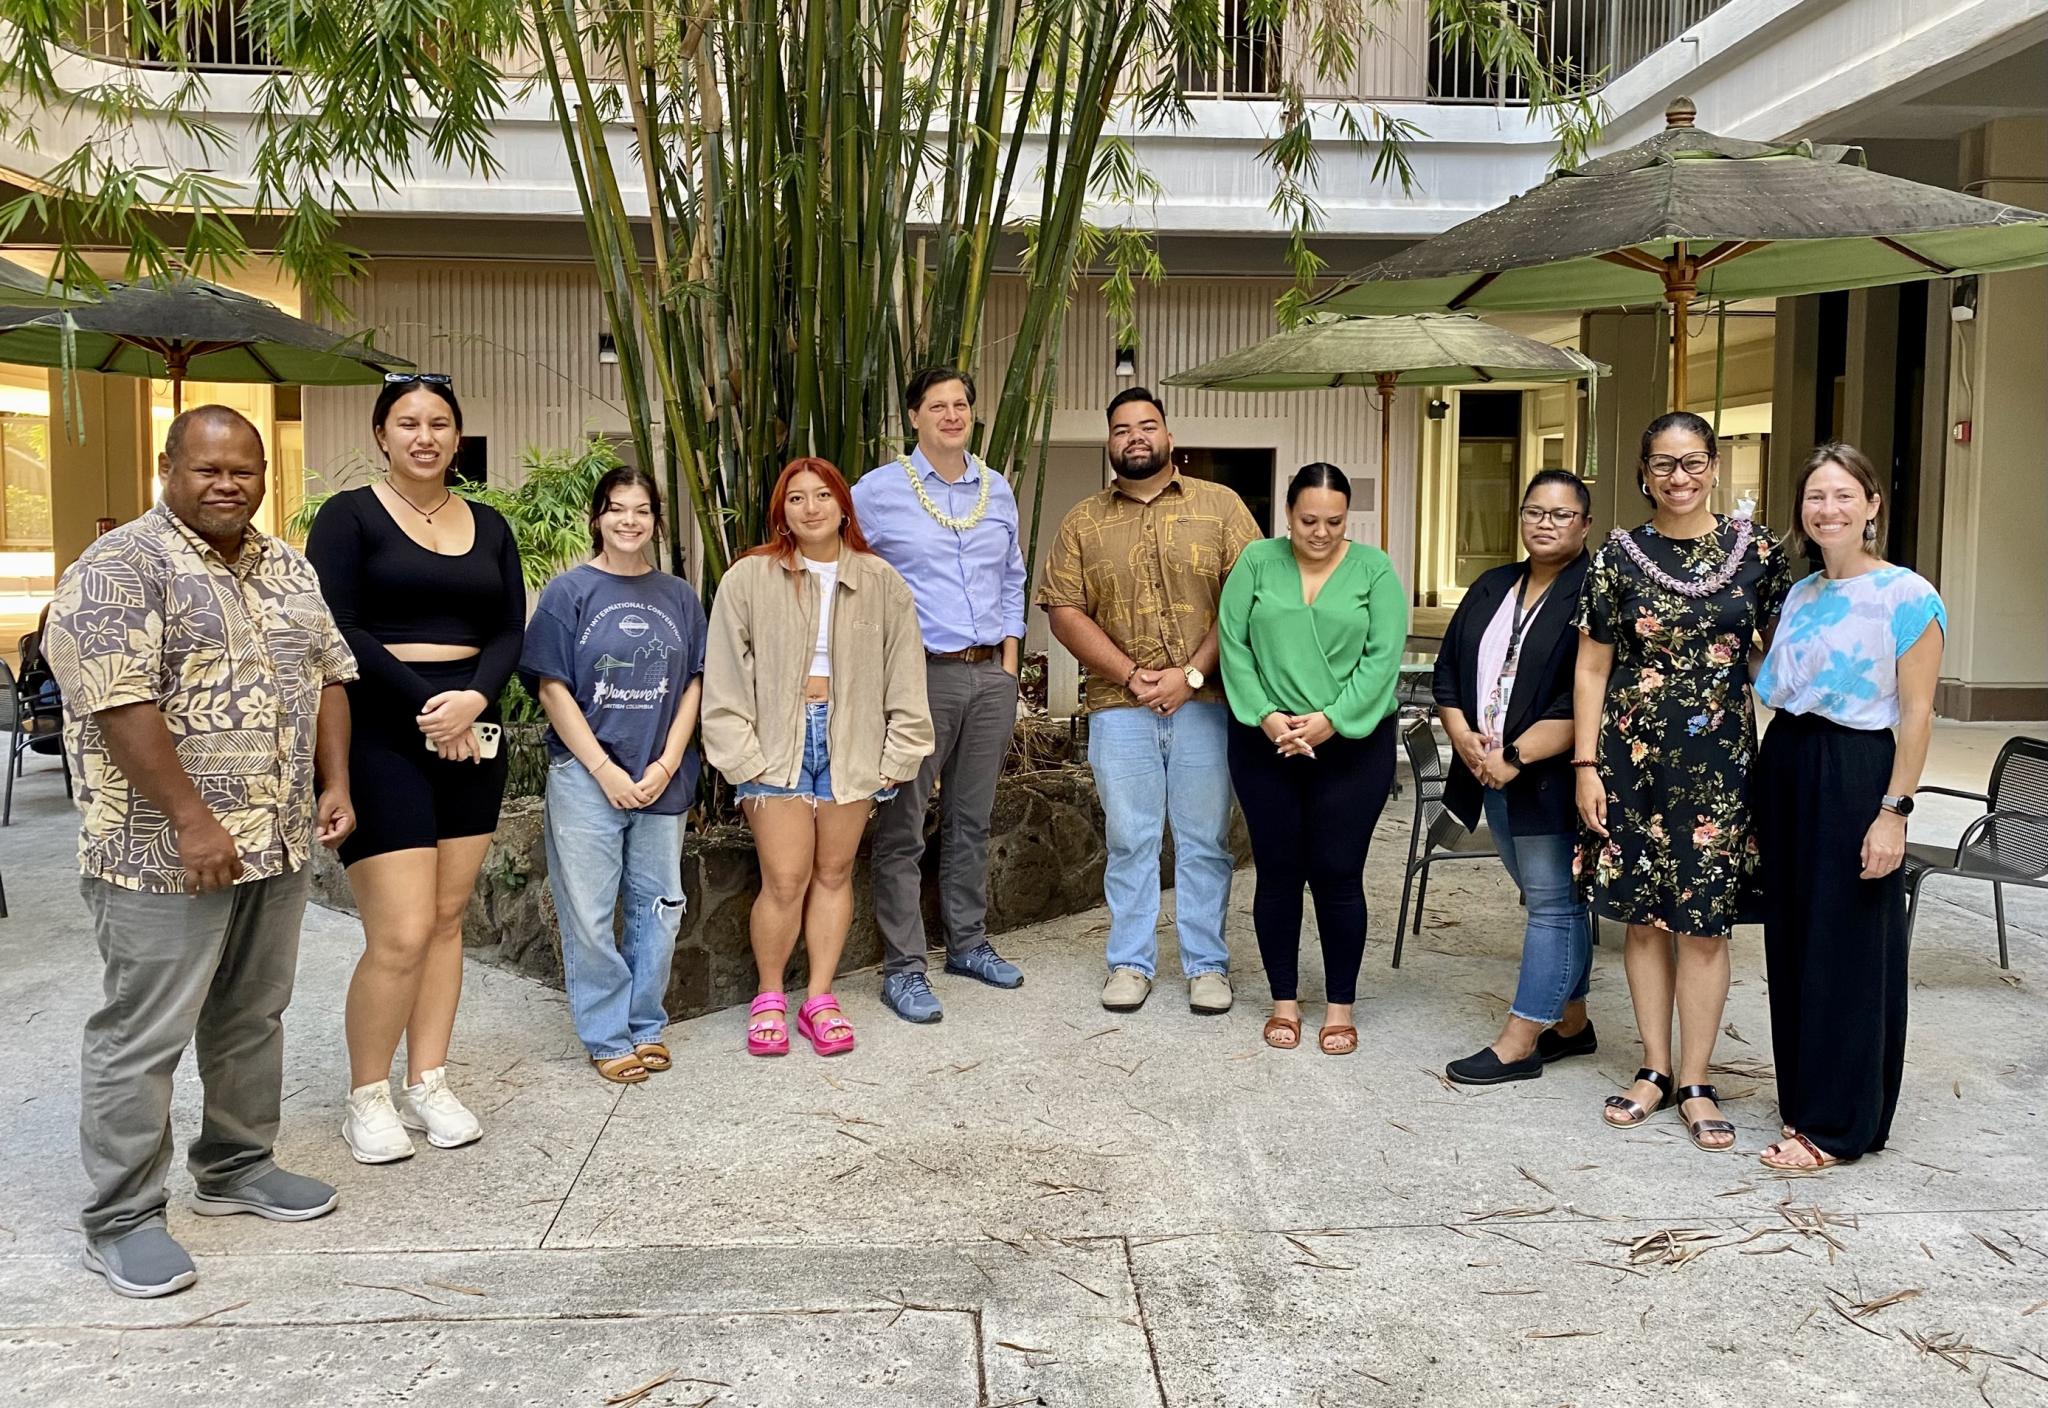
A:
(1834, 943)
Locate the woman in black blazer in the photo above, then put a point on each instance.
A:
(1504, 696)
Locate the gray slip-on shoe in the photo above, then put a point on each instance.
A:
(277, 1195)
(142, 1264)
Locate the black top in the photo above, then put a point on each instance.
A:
(1543, 798)
(384, 588)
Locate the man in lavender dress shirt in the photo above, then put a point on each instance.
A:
(947, 523)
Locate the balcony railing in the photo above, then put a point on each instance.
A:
(1590, 41)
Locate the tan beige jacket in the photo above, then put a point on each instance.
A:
(763, 625)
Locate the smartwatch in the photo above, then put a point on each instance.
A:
(1901, 805)
(1511, 755)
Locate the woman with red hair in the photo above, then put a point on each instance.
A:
(814, 709)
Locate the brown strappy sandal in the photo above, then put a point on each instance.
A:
(624, 1069)
(1278, 1027)
(1337, 1041)
(653, 1055)
(1821, 1158)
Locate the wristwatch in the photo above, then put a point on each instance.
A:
(1511, 755)
(1195, 677)
(1901, 805)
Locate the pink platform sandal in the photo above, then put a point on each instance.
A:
(768, 1027)
(820, 1020)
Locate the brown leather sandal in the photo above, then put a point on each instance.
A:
(1278, 1027)
(1337, 1041)
(1821, 1158)
(624, 1069)
(653, 1055)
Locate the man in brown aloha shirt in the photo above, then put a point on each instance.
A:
(202, 680)
(1131, 586)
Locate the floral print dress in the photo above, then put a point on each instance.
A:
(1677, 732)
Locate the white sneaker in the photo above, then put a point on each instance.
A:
(372, 1129)
(432, 1106)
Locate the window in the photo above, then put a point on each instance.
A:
(1247, 59)
(24, 481)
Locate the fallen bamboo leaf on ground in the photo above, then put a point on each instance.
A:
(1099, 1295)
(198, 1319)
(1021, 1348)
(2000, 1252)
(1868, 1308)
(635, 1395)
(1471, 1216)
(1563, 1334)
(1363, 1374)
(1534, 1179)
(1829, 1302)
(402, 1290)
(459, 1290)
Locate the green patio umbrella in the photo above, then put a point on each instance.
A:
(172, 329)
(1412, 349)
(1689, 215)
(25, 288)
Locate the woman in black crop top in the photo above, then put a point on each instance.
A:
(427, 591)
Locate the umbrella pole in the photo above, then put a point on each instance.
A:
(1681, 304)
(1386, 387)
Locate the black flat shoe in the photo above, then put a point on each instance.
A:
(1552, 1047)
(1482, 1067)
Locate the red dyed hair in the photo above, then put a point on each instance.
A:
(781, 544)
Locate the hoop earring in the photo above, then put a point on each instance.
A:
(783, 531)
(1643, 488)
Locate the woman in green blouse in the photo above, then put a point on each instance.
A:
(1312, 627)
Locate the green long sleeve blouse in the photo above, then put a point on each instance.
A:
(1341, 656)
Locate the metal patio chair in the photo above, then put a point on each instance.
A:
(31, 722)
(1434, 836)
(2008, 845)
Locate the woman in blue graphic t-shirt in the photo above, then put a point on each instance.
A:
(1851, 671)
(615, 652)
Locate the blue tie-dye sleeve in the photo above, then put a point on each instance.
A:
(1918, 608)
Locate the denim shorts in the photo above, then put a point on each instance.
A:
(814, 774)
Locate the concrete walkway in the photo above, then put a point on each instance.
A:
(1038, 1202)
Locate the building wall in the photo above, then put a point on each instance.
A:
(1995, 515)
(520, 339)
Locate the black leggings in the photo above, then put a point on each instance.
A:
(1311, 822)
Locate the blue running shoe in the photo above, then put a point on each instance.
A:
(987, 965)
(910, 996)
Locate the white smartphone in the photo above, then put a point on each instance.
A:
(487, 736)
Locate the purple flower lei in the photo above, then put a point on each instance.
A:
(1697, 587)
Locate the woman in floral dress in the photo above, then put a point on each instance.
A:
(1664, 736)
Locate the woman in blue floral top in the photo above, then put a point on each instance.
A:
(1664, 736)
(1855, 658)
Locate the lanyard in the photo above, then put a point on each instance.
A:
(1520, 622)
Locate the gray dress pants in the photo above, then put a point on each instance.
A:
(974, 715)
(218, 967)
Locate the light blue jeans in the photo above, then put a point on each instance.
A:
(1149, 772)
(615, 985)
(1557, 947)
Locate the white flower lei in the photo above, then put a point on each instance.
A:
(946, 520)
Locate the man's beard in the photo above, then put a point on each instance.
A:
(1125, 469)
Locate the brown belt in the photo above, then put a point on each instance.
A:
(972, 655)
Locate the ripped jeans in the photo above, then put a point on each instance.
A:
(615, 986)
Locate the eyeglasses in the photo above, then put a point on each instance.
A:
(1663, 466)
(1562, 517)
(430, 378)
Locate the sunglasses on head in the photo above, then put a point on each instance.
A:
(431, 378)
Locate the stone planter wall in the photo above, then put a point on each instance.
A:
(1045, 860)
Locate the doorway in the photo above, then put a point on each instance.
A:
(1489, 482)
(1246, 472)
